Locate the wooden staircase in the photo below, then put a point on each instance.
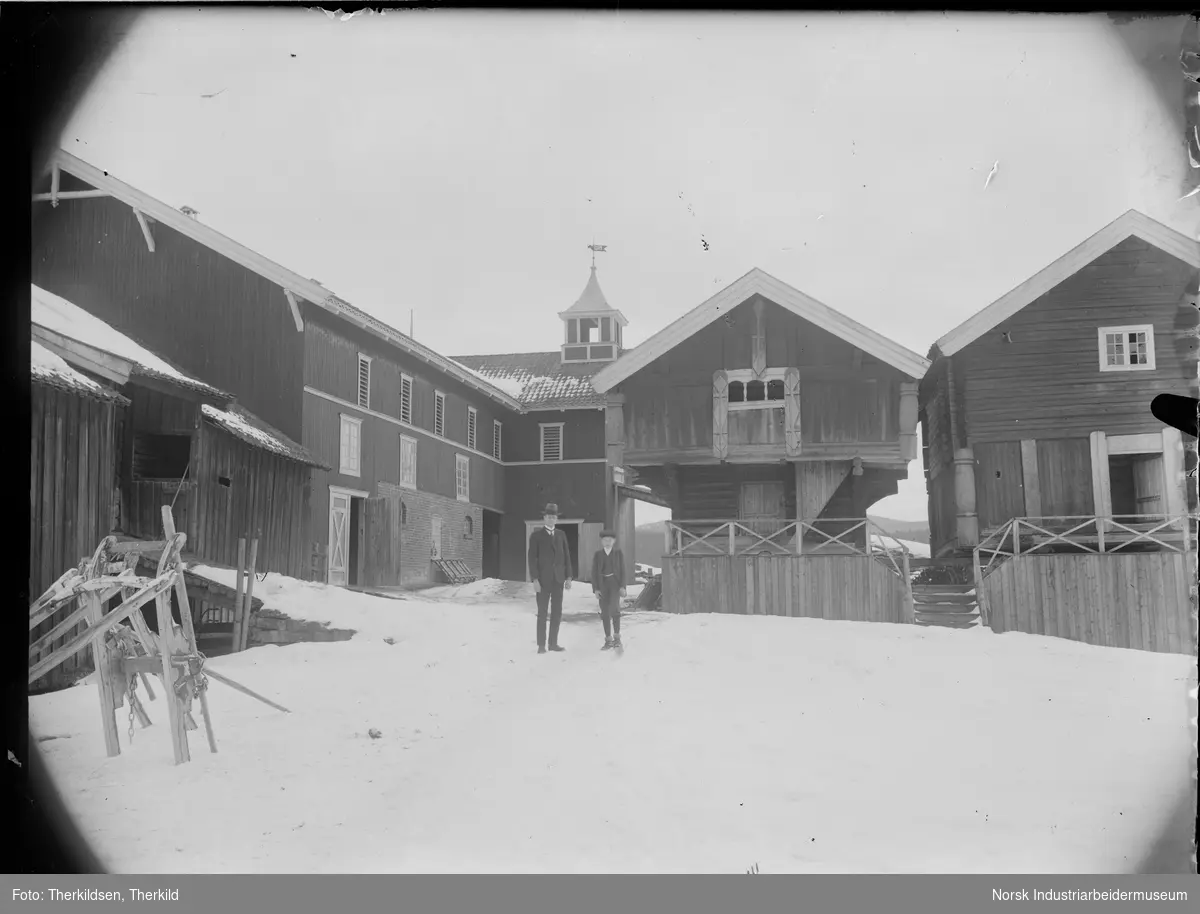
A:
(946, 605)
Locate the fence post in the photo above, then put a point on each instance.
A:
(910, 607)
(1016, 536)
(732, 547)
(980, 600)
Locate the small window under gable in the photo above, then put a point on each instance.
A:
(364, 381)
(1129, 348)
(497, 439)
(552, 441)
(472, 421)
(746, 391)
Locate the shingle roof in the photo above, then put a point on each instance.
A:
(46, 367)
(247, 427)
(539, 380)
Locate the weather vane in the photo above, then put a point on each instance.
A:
(593, 247)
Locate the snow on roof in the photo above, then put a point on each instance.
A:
(50, 368)
(544, 381)
(511, 386)
(255, 432)
(56, 314)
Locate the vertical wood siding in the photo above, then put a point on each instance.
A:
(72, 483)
(583, 434)
(265, 493)
(1137, 601)
(999, 483)
(1065, 477)
(200, 311)
(843, 587)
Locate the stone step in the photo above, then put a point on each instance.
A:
(945, 599)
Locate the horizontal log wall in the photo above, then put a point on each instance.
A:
(849, 588)
(1138, 601)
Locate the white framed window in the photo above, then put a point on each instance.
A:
(1128, 348)
(439, 414)
(750, 391)
(406, 399)
(462, 477)
(468, 527)
(364, 381)
(408, 462)
(552, 440)
(350, 457)
(472, 422)
(497, 439)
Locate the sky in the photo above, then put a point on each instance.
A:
(452, 166)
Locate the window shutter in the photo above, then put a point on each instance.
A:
(720, 434)
(552, 442)
(471, 423)
(364, 382)
(406, 399)
(497, 432)
(439, 415)
(791, 411)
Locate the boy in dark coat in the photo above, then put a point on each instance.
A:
(550, 571)
(608, 583)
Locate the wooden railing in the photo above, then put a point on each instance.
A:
(759, 537)
(1083, 534)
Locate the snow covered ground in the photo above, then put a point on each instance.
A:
(712, 743)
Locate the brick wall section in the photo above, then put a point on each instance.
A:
(416, 533)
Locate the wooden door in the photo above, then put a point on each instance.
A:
(379, 566)
(435, 536)
(1148, 481)
(761, 506)
(339, 538)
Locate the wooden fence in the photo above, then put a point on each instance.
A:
(728, 567)
(1115, 583)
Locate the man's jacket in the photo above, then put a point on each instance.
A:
(549, 557)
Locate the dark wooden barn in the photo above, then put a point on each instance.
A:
(1039, 437)
(184, 443)
(73, 480)
(770, 423)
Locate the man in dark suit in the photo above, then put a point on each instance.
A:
(550, 570)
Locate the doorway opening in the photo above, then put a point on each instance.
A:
(491, 544)
(1136, 484)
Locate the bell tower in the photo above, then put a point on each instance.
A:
(592, 329)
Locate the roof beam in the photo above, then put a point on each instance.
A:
(89, 358)
(141, 218)
(55, 195)
(295, 306)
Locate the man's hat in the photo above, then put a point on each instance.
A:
(551, 508)
(608, 533)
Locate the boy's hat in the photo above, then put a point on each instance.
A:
(607, 534)
(551, 508)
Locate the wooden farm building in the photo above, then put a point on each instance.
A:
(181, 442)
(414, 443)
(769, 423)
(555, 449)
(1042, 457)
(117, 433)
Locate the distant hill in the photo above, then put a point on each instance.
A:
(650, 539)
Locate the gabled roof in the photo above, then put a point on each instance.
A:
(59, 324)
(292, 283)
(1132, 223)
(539, 380)
(758, 282)
(46, 367)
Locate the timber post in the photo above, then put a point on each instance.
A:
(964, 498)
(908, 420)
